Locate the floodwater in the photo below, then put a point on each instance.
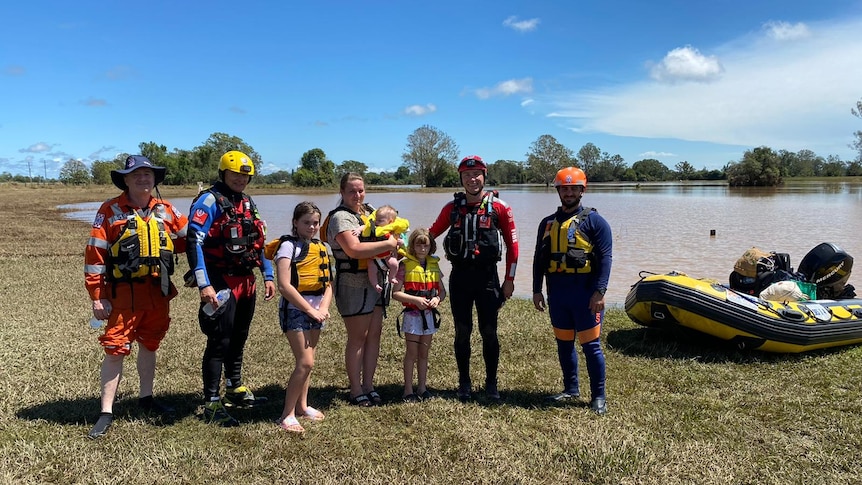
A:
(656, 228)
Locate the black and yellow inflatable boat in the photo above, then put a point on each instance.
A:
(705, 305)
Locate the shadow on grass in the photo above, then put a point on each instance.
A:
(84, 411)
(392, 395)
(687, 344)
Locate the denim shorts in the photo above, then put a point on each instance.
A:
(295, 320)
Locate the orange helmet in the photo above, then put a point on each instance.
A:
(570, 176)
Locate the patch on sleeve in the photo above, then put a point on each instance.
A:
(200, 216)
(100, 218)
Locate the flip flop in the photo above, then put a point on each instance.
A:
(375, 398)
(361, 400)
(291, 425)
(313, 414)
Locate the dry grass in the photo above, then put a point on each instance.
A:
(682, 410)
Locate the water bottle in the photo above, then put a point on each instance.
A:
(97, 324)
(221, 298)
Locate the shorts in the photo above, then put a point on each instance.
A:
(354, 295)
(147, 327)
(412, 323)
(295, 320)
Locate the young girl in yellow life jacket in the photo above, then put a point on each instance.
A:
(304, 281)
(384, 223)
(420, 289)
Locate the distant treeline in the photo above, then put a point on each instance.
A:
(431, 157)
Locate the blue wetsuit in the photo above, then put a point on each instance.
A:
(569, 299)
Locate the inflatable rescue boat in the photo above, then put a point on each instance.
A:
(747, 321)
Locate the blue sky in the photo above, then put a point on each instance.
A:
(674, 80)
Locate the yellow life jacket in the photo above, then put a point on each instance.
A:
(311, 269)
(419, 281)
(144, 248)
(424, 282)
(571, 251)
(399, 226)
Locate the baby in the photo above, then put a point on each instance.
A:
(387, 224)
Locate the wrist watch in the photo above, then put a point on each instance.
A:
(601, 290)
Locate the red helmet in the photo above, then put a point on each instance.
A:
(472, 162)
(570, 176)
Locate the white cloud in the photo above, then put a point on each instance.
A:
(527, 102)
(507, 88)
(419, 110)
(652, 154)
(14, 70)
(686, 64)
(40, 147)
(788, 95)
(786, 31)
(120, 72)
(95, 102)
(521, 25)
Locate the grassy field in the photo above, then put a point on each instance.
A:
(681, 409)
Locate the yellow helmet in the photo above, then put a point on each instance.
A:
(236, 161)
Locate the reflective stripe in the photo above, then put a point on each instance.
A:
(98, 243)
(95, 268)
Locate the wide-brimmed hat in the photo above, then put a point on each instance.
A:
(133, 163)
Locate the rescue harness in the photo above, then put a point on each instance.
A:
(474, 236)
(234, 242)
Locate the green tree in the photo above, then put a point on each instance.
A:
(304, 177)
(610, 167)
(546, 157)
(74, 172)
(684, 170)
(789, 163)
(155, 152)
(402, 175)
(204, 159)
(758, 167)
(315, 163)
(650, 170)
(101, 171)
(857, 143)
(588, 156)
(505, 172)
(431, 154)
(833, 167)
(351, 166)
